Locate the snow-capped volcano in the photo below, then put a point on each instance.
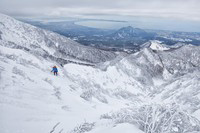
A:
(146, 92)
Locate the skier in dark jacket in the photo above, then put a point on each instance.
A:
(55, 70)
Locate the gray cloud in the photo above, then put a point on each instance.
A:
(182, 9)
(187, 10)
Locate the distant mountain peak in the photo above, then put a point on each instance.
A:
(128, 27)
(129, 32)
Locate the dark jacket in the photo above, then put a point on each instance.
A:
(55, 69)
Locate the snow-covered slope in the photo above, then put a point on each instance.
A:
(156, 45)
(160, 46)
(47, 43)
(146, 92)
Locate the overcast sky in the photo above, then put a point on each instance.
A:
(186, 12)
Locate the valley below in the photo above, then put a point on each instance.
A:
(152, 88)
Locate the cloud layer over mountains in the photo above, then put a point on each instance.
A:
(187, 9)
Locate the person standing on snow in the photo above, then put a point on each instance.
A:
(55, 70)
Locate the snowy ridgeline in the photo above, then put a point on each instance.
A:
(46, 43)
(146, 92)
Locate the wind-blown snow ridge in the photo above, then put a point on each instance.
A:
(150, 91)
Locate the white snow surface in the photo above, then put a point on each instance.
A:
(145, 92)
(156, 45)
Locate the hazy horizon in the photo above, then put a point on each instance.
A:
(174, 15)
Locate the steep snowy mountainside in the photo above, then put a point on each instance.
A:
(183, 60)
(153, 81)
(150, 91)
(97, 100)
(33, 100)
(47, 43)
